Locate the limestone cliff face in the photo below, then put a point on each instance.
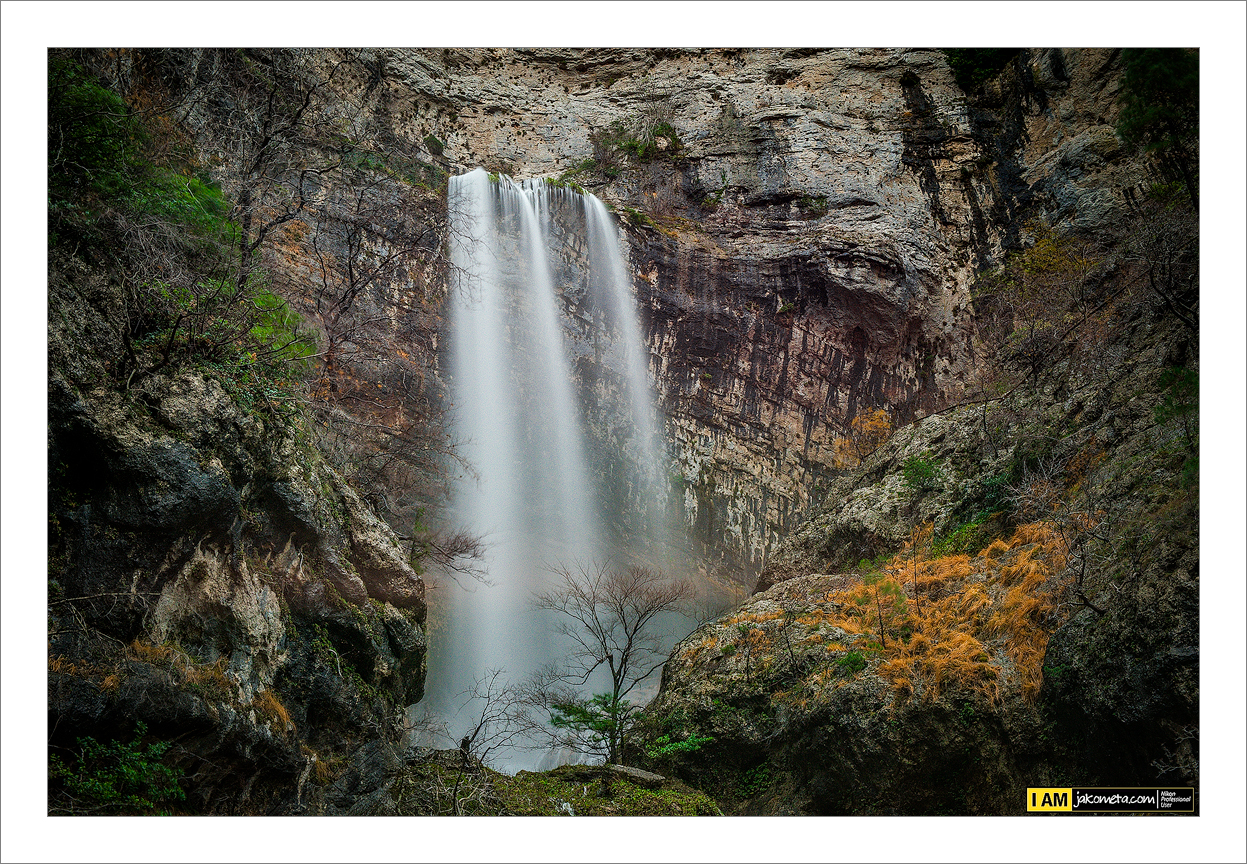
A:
(801, 242)
(802, 251)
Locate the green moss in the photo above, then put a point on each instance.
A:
(595, 791)
(638, 219)
(967, 538)
(919, 474)
(435, 145)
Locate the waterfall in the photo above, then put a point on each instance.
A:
(563, 473)
(607, 262)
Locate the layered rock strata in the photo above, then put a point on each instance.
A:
(803, 713)
(803, 243)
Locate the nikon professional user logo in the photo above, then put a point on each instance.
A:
(1102, 799)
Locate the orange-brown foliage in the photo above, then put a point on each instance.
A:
(153, 654)
(867, 433)
(957, 617)
(171, 657)
(271, 708)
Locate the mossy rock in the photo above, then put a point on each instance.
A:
(595, 791)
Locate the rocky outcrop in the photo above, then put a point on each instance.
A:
(807, 711)
(210, 576)
(797, 727)
(802, 239)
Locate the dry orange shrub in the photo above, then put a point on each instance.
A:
(271, 708)
(994, 548)
(935, 623)
(62, 666)
(955, 612)
(744, 617)
(755, 638)
(154, 654)
(692, 651)
(108, 679)
(867, 433)
(1023, 616)
(210, 675)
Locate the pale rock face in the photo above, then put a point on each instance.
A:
(816, 234)
(217, 606)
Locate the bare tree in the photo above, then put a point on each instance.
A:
(1164, 241)
(612, 619)
(1088, 531)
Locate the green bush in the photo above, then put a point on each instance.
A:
(972, 66)
(192, 202)
(280, 329)
(1181, 399)
(94, 140)
(601, 721)
(664, 746)
(918, 475)
(640, 145)
(192, 304)
(753, 781)
(119, 778)
(851, 663)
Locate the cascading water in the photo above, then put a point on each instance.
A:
(607, 265)
(556, 478)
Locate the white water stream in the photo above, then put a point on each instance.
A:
(542, 496)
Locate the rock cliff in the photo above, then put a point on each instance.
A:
(806, 232)
(802, 235)
(1033, 659)
(210, 576)
(803, 239)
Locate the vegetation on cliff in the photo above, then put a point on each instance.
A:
(1004, 591)
(1034, 613)
(223, 605)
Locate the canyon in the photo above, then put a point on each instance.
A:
(810, 238)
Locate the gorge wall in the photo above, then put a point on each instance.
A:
(804, 238)
(803, 230)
